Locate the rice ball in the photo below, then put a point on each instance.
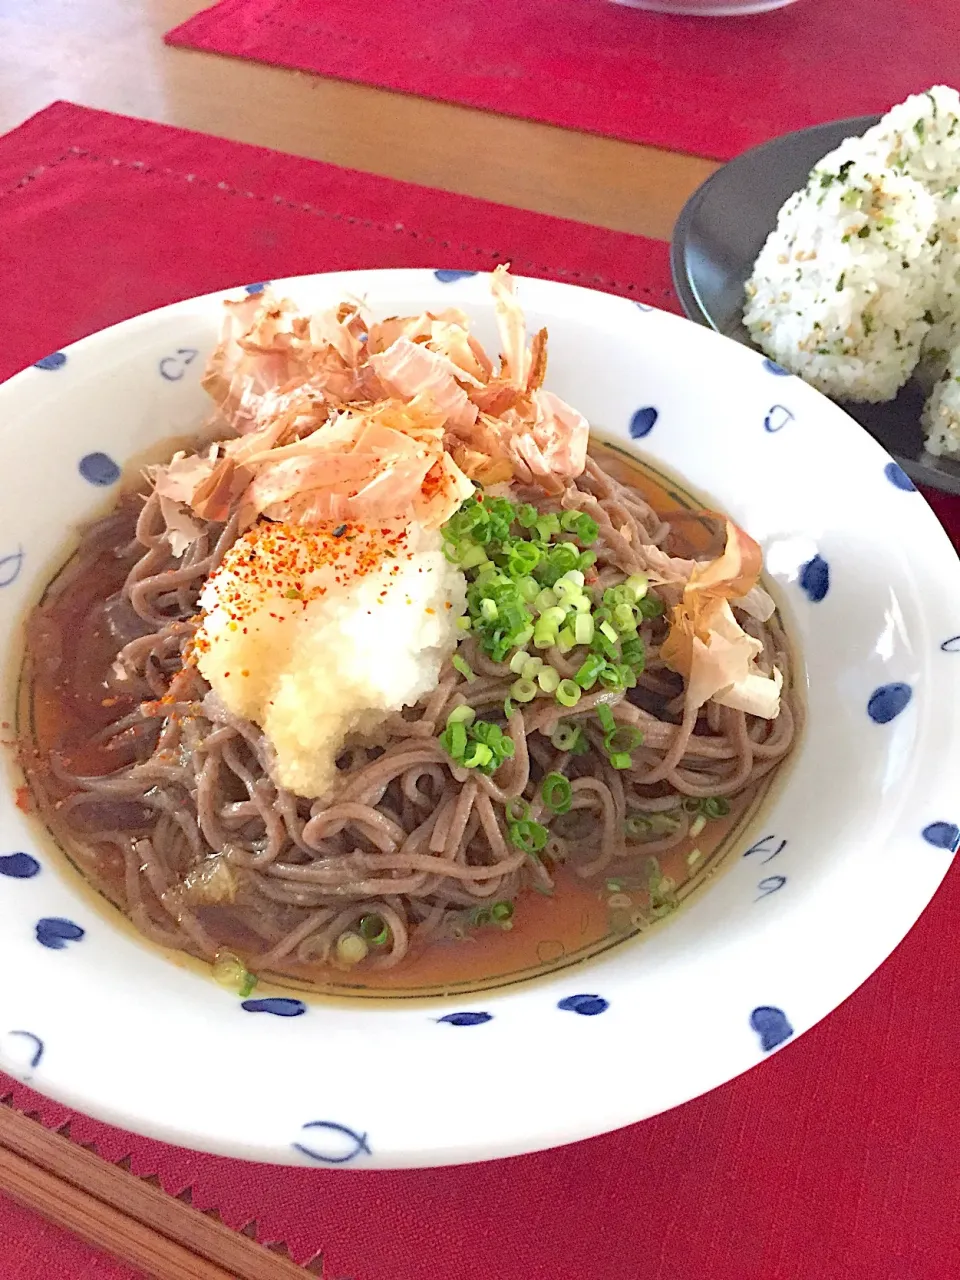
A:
(842, 290)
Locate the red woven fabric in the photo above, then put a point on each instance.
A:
(838, 1159)
(707, 86)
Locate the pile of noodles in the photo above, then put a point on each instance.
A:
(210, 853)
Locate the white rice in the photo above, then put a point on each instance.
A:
(920, 138)
(841, 291)
(941, 415)
(944, 332)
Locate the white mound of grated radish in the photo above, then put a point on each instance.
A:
(318, 634)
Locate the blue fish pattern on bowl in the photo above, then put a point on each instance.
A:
(19, 866)
(942, 835)
(55, 932)
(467, 1018)
(332, 1143)
(771, 1025)
(99, 469)
(899, 478)
(815, 579)
(643, 421)
(55, 360)
(10, 566)
(587, 1005)
(777, 417)
(449, 277)
(280, 1006)
(888, 701)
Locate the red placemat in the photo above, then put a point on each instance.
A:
(707, 86)
(839, 1159)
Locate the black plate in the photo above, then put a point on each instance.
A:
(718, 235)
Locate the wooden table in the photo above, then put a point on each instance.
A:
(108, 54)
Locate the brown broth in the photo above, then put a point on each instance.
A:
(581, 919)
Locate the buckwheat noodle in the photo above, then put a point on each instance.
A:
(209, 852)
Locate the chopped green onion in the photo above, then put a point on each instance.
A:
(625, 737)
(517, 661)
(501, 910)
(664, 824)
(456, 743)
(471, 558)
(544, 637)
(621, 760)
(488, 610)
(697, 825)
(529, 589)
(528, 835)
(586, 561)
(715, 807)
(374, 930)
(574, 576)
(568, 693)
(603, 644)
(566, 640)
(527, 516)
(464, 667)
(248, 985)
(605, 716)
(351, 948)
(229, 971)
(583, 604)
(547, 525)
(650, 607)
(546, 599)
(609, 632)
(587, 530)
(556, 792)
(569, 521)
(586, 677)
(462, 714)
(567, 592)
(694, 856)
(583, 628)
(508, 707)
(553, 617)
(549, 679)
(524, 558)
(610, 676)
(516, 809)
(624, 617)
(564, 558)
(478, 756)
(638, 584)
(523, 690)
(463, 624)
(530, 668)
(564, 735)
(637, 825)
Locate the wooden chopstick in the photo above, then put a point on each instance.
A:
(119, 1212)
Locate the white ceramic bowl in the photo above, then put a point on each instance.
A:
(840, 866)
